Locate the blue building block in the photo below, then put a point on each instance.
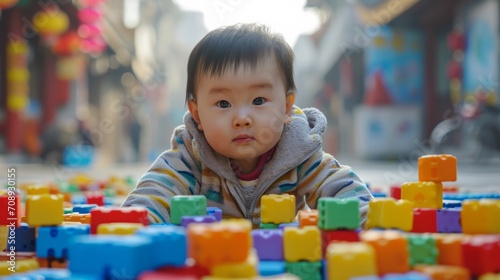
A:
(111, 256)
(282, 226)
(170, 244)
(108, 201)
(269, 268)
(452, 203)
(406, 276)
(78, 199)
(83, 208)
(268, 243)
(379, 194)
(25, 239)
(54, 241)
(215, 211)
(49, 274)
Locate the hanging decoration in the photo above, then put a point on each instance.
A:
(4, 4)
(50, 23)
(90, 16)
(456, 43)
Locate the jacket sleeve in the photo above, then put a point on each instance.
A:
(174, 172)
(323, 176)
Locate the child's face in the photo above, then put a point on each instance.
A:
(242, 112)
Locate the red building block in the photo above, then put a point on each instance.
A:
(95, 198)
(396, 192)
(332, 236)
(103, 215)
(481, 254)
(11, 210)
(424, 220)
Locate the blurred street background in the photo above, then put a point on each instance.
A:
(97, 86)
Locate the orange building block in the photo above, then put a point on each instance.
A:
(444, 272)
(437, 168)
(76, 217)
(219, 243)
(308, 218)
(449, 247)
(391, 250)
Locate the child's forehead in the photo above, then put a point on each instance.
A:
(240, 65)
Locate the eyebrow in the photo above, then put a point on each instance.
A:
(216, 90)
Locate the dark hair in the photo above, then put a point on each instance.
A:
(235, 45)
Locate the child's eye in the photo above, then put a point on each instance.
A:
(258, 101)
(223, 104)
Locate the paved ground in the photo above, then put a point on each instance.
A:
(379, 174)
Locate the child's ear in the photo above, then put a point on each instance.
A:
(290, 100)
(193, 109)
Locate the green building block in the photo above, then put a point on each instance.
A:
(269, 226)
(422, 249)
(335, 213)
(187, 205)
(68, 210)
(304, 270)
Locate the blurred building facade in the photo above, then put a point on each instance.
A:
(388, 71)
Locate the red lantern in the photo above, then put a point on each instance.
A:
(456, 41)
(51, 23)
(89, 15)
(67, 44)
(454, 70)
(4, 4)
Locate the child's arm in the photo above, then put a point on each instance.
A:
(326, 177)
(174, 172)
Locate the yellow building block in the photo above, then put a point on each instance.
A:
(119, 228)
(44, 210)
(480, 216)
(247, 269)
(437, 168)
(423, 194)
(302, 244)
(4, 234)
(348, 260)
(277, 209)
(17, 266)
(489, 276)
(37, 189)
(389, 213)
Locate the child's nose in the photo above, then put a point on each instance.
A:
(242, 121)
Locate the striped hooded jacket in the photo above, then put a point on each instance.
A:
(298, 167)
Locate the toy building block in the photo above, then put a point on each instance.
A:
(302, 244)
(77, 218)
(332, 236)
(348, 260)
(424, 220)
(391, 250)
(187, 220)
(437, 168)
(170, 244)
(449, 247)
(54, 241)
(270, 268)
(448, 220)
(83, 208)
(95, 198)
(423, 194)
(480, 216)
(24, 239)
(450, 189)
(268, 243)
(191, 272)
(481, 254)
(119, 228)
(268, 226)
(22, 265)
(337, 213)
(4, 234)
(448, 203)
(308, 218)
(390, 214)
(444, 271)
(187, 205)
(216, 212)
(422, 248)
(118, 257)
(11, 210)
(406, 276)
(305, 270)
(44, 210)
(489, 276)
(103, 215)
(277, 209)
(37, 189)
(395, 191)
(246, 269)
(283, 226)
(218, 243)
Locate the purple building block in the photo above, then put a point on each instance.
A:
(186, 220)
(215, 211)
(448, 220)
(268, 243)
(293, 224)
